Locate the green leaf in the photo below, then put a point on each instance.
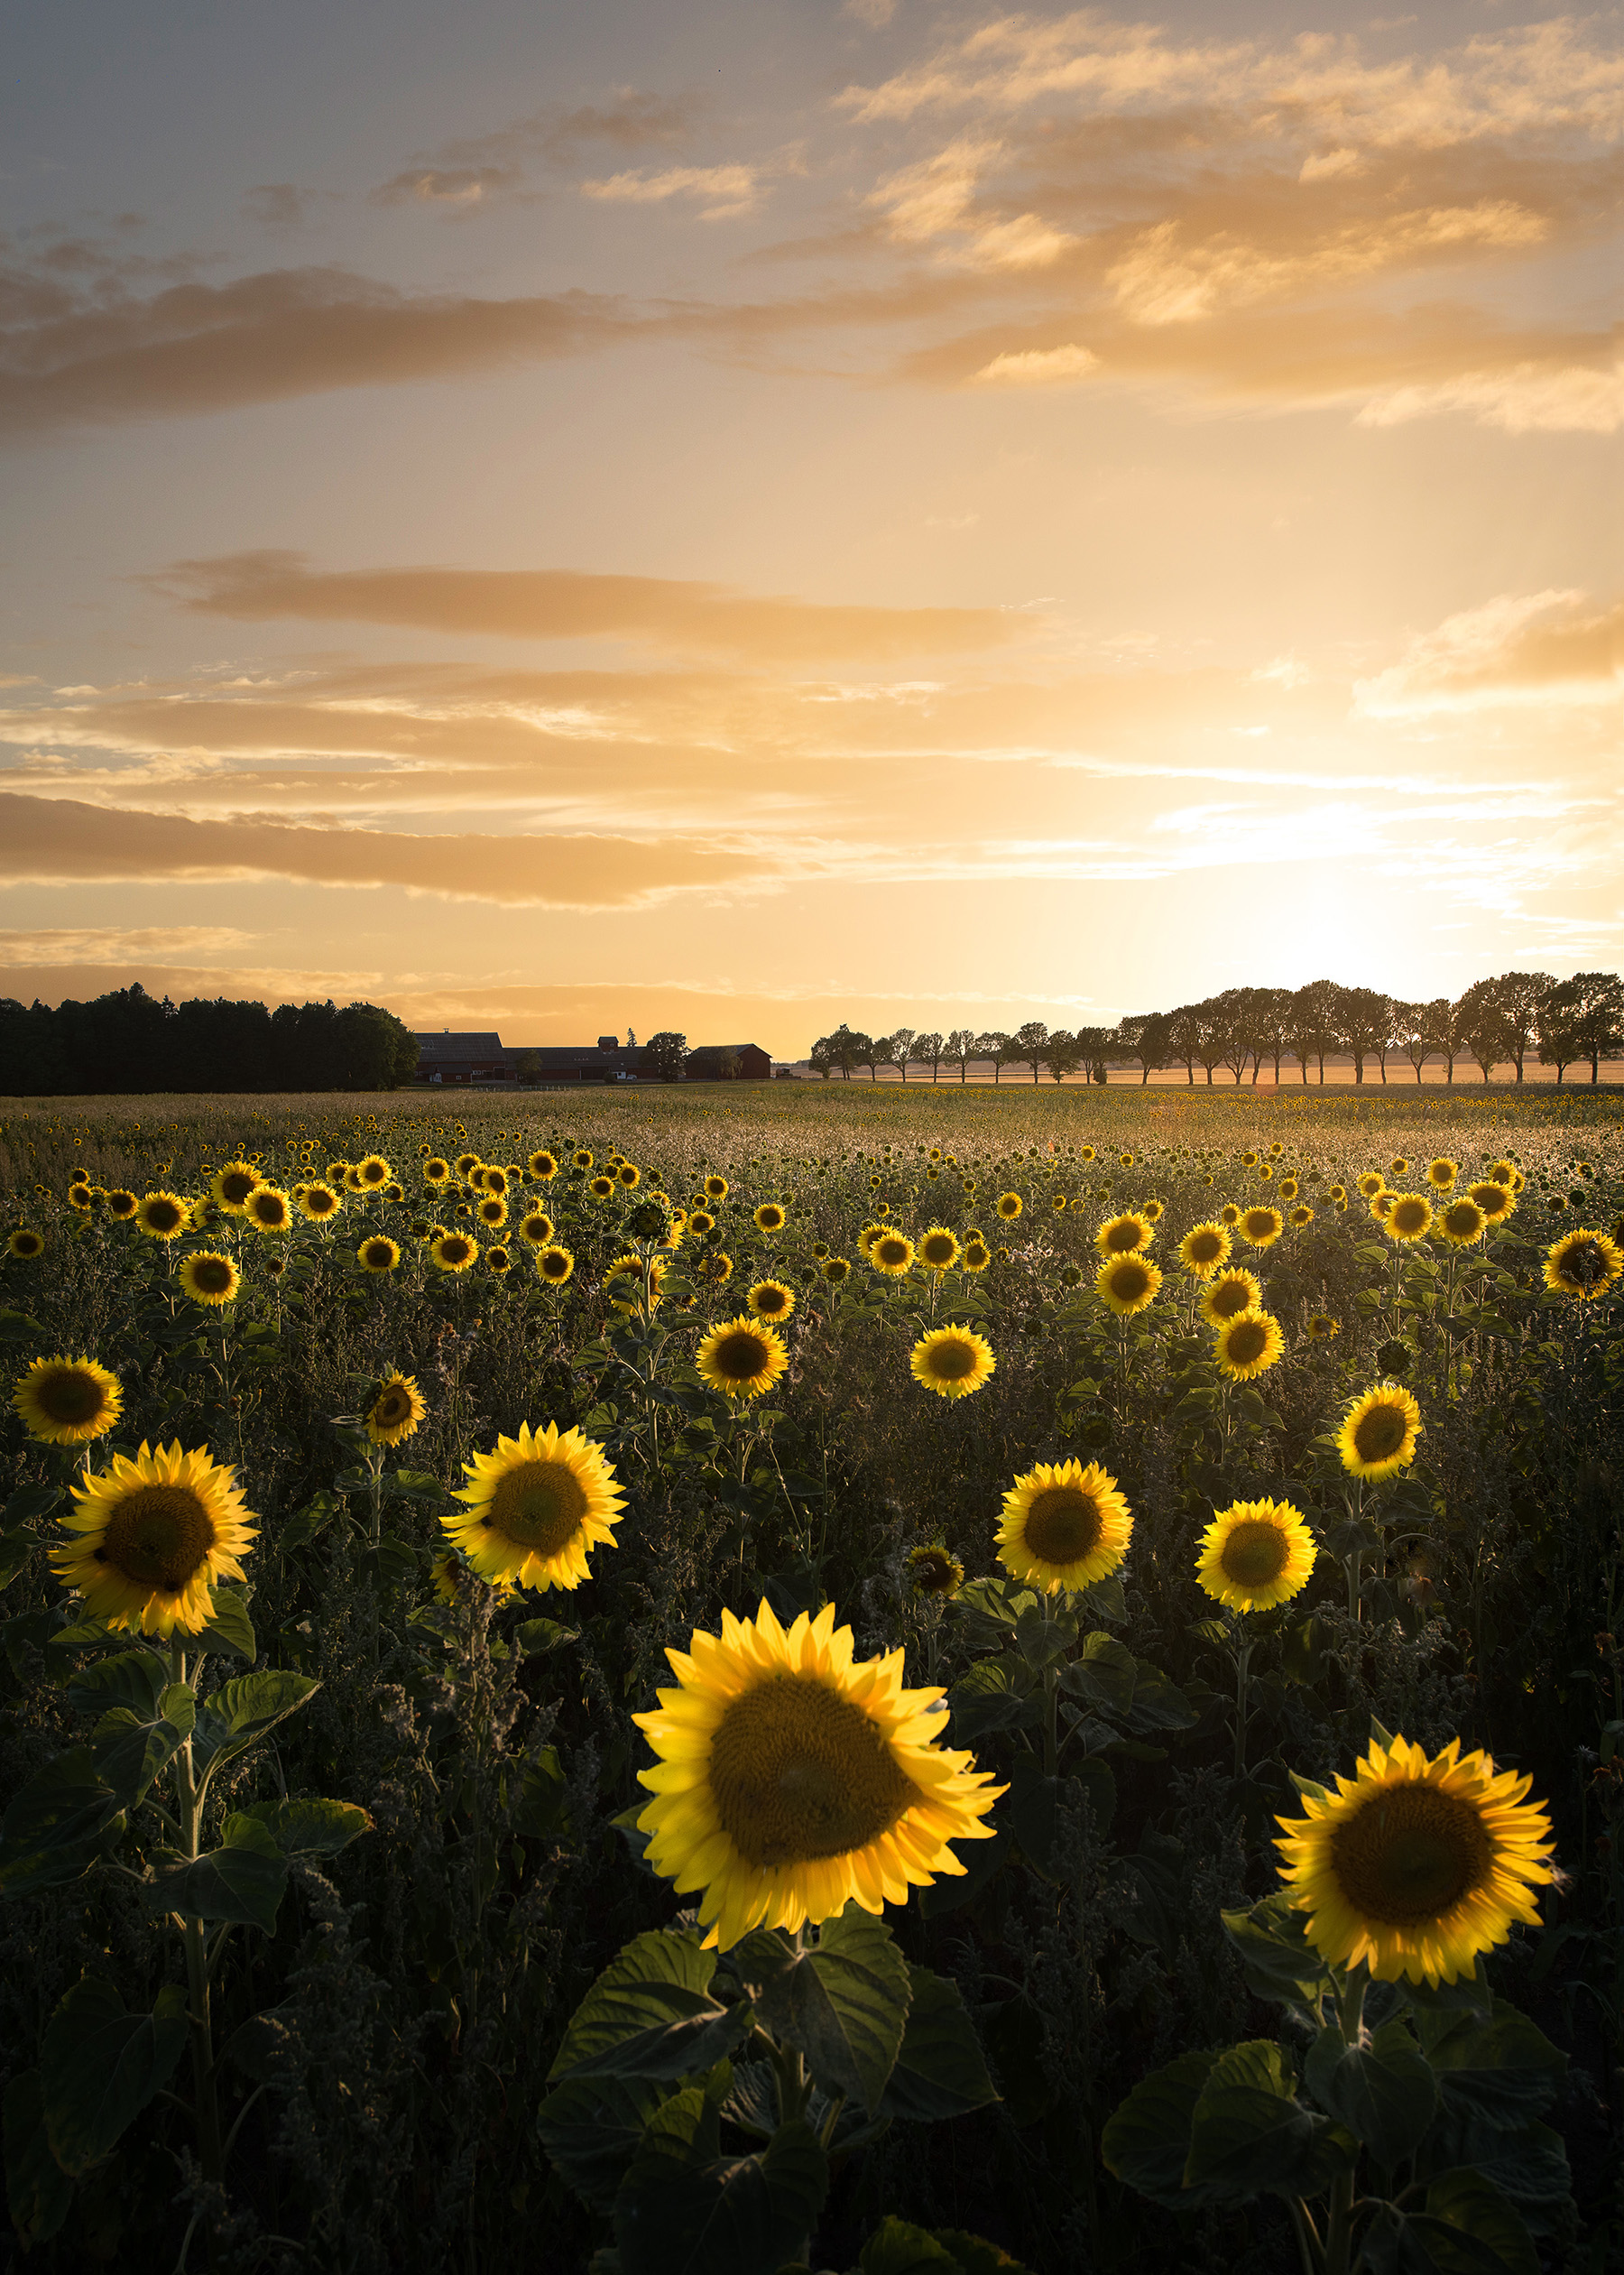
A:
(38, 2192)
(229, 1628)
(1385, 2093)
(244, 1710)
(240, 1884)
(1469, 2228)
(1505, 2069)
(536, 1637)
(1104, 1677)
(1276, 1955)
(591, 2128)
(1248, 2133)
(261, 2045)
(416, 1484)
(100, 2065)
(28, 1504)
(732, 2216)
(650, 2014)
(64, 1819)
(844, 2004)
(16, 1553)
(1302, 1651)
(307, 1524)
(391, 1562)
(20, 1327)
(940, 2071)
(1158, 1704)
(899, 2248)
(975, 2255)
(131, 1751)
(994, 1695)
(133, 1678)
(310, 1827)
(1147, 2141)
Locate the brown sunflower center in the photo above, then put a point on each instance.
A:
(158, 1537)
(1582, 1262)
(1255, 1553)
(393, 1406)
(1129, 1281)
(380, 1254)
(555, 1266)
(1259, 1220)
(952, 1359)
(322, 1203)
(236, 1185)
(1248, 1341)
(454, 1249)
(1122, 1237)
(1063, 1524)
(1205, 1248)
(68, 1395)
(163, 1215)
(1410, 1854)
(891, 1252)
(1378, 1435)
(1408, 1217)
(538, 1505)
(268, 1209)
(934, 1571)
(770, 1301)
(740, 1357)
(939, 1248)
(799, 1772)
(212, 1274)
(1229, 1297)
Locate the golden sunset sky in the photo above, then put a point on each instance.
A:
(735, 517)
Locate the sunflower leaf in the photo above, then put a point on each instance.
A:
(1276, 1955)
(1384, 2092)
(1147, 2141)
(591, 2127)
(39, 2193)
(940, 2071)
(134, 1678)
(229, 1628)
(240, 1884)
(56, 1828)
(733, 2216)
(650, 2014)
(100, 2065)
(843, 2004)
(310, 1827)
(1504, 2068)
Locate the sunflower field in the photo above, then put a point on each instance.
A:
(712, 1683)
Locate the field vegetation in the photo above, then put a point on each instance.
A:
(381, 1894)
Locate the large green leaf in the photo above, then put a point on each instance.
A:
(132, 1749)
(1504, 2068)
(63, 1820)
(995, 1694)
(1384, 2092)
(591, 2128)
(306, 1828)
(1468, 2228)
(133, 1678)
(1104, 1677)
(1276, 1955)
(244, 1710)
(101, 2064)
(741, 2215)
(240, 1883)
(1147, 2141)
(941, 2070)
(899, 2248)
(650, 2014)
(229, 1628)
(38, 2193)
(842, 2002)
(1248, 2134)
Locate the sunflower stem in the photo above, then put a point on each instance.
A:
(1339, 2230)
(1244, 1651)
(206, 2109)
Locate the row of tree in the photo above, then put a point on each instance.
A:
(129, 1041)
(1519, 1019)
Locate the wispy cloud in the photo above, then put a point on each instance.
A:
(1517, 648)
(721, 191)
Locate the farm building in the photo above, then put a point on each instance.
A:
(458, 1059)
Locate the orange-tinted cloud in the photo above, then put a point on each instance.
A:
(563, 604)
(58, 841)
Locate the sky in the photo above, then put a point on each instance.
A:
(734, 517)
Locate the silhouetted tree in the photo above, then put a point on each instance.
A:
(665, 1055)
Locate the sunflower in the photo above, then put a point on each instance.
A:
(793, 1780)
(977, 1255)
(1496, 1200)
(1442, 1173)
(1128, 1285)
(396, 1410)
(455, 1251)
(536, 1508)
(1378, 1432)
(770, 1299)
(939, 1249)
(867, 1237)
(1232, 1292)
(1229, 1216)
(1249, 1160)
(492, 1212)
(1409, 1218)
(155, 1534)
(630, 1284)
(1202, 1249)
(1301, 1215)
(162, 1216)
(437, 1170)
(542, 1165)
(1582, 1264)
(211, 1279)
(1413, 1867)
(81, 1196)
(714, 1269)
(377, 1254)
(1381, 1207)
(1397, 1166)
(1009, 1206)
(25, 1244)
(1255, 1554)
(66, 1402)
(891, 1252)
(952, 1361)
(934, 1570)
(581, 1159)
(1321, 1326)
(493, 1179)
(715, 1189)
(1248, 1345)
(319, 1202)
(629, 1175)
(122, 1203)
(701, 1223)
(336, 1172)
(268, 1209)
(1371, 1183)
(1125, 1236)
(1288, 1188)
(742, 1358)
(536, 1227)
(1063, 1526)
(836, 1269)
(602, 1188)
(233, 1184)
(554, 1263)
(1261, 1227)
(1460, 1223)
(770, 1217)
(1338, 1193)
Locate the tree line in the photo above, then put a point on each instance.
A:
(1519, 1019)
(129, 1041)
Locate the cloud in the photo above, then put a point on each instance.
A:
(472, 172)
(937, 197)
(559, 604)
(265, 338)
(1526, 398)
(56, 841)
(117, 944)
(1517, 648)
(731, 190)
(1039, 367)
(277, 205)
(463, 187)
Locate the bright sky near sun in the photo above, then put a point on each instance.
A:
(681, 513)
